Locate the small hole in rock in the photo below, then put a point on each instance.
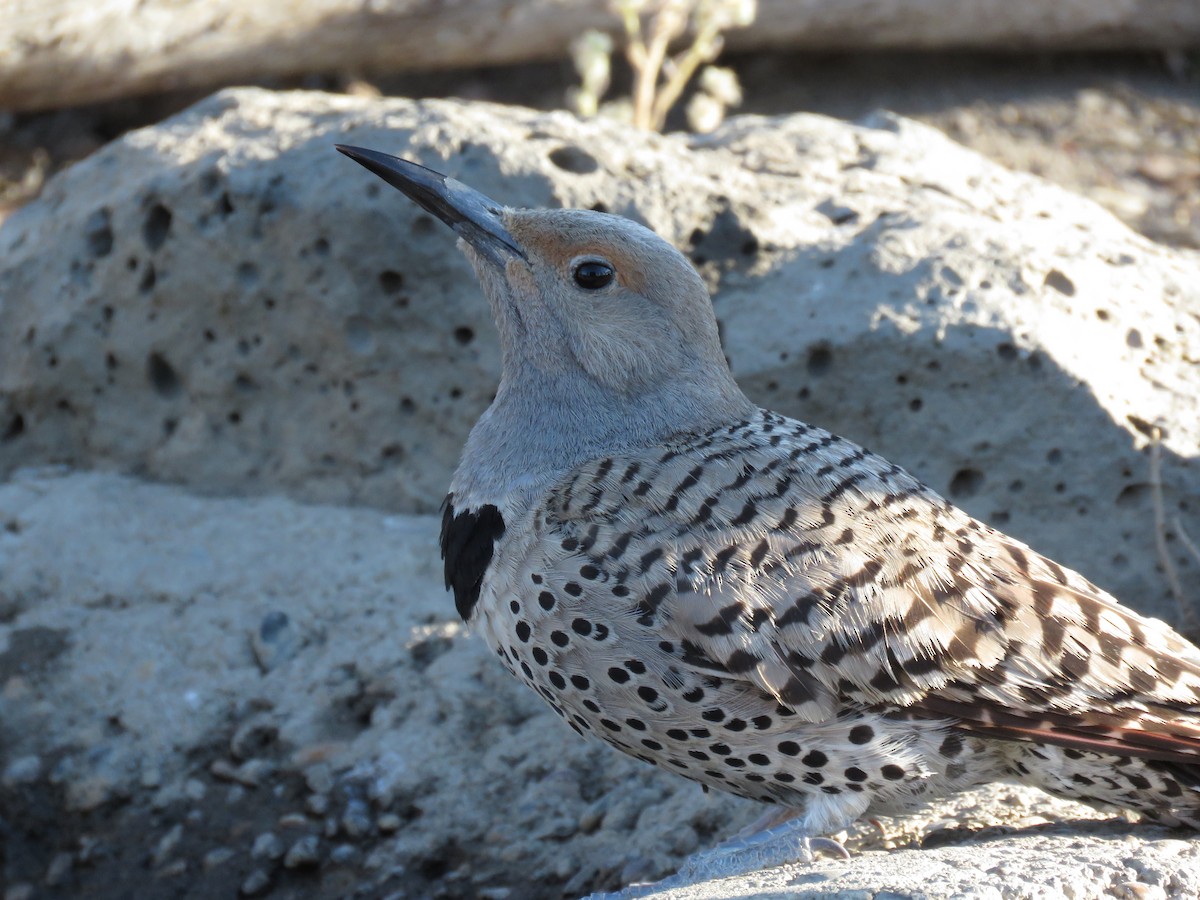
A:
(390, 281)
(162, 376)
(156, 227)
(1054, 456)
(247, 275)
(1006, 351)
(99, 233)
(966, 482)
(915, 404)
(820, 359)
(573, 159)
(16, 427)
(464, 335)
(1059, 282)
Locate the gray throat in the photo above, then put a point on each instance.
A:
(533, 434)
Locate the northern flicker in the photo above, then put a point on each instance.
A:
(751, 601)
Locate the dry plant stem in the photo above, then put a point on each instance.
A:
(707, 47)
(1160, 529)
(667, 24)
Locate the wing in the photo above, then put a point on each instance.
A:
(776, 554)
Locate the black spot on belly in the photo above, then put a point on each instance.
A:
(468, 541)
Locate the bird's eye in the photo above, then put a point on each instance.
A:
(593, 275)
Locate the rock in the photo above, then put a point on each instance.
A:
(345, 855)
(305, 852)
(166, 845)
(255, 883)
(356, 819)
(470, 758)
(218, 856)
(240, 310)
(275, 641)
(59, 869)
(267, 846)
(873, 277)
(22, 771)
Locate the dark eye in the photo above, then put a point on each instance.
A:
(593, 275)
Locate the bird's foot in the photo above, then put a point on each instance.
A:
(763, 849)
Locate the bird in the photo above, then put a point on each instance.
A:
(749, 600)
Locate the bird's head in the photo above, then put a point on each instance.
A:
(598, 316)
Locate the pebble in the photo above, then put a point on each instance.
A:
(216, 857)
(317, 804)
(194, 789)
(305, 852)
(495, 893)
(1137, 890)
(344, 854)
(275, 641)
(389, 822)
(166, 845)
(267, 846)
(293, 820)
(173, 869)
(21, 891)
(356, 819)
(256, 882)
(89, 849)
(319, 778)
(59, 869)
(251, 773)
(22, 770)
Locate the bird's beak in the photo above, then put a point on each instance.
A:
(473, 216)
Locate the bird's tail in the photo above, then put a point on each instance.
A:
(1163, 791)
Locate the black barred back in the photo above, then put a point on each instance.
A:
(775, 611)
(468, 541)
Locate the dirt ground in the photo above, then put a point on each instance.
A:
(1121, 129)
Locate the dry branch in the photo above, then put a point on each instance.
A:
(56, 53)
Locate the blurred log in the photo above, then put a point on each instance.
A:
(56, 53)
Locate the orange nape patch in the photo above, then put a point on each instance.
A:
(556, 238)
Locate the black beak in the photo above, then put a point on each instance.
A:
(475, 217)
